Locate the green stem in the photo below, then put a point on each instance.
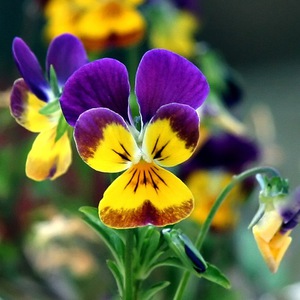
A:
(129, 288)
(206, 225)
(133, 57)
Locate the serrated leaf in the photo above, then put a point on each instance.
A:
(115, 270)
(50, 107)
(109, 235)
(213, 274)
(147, 295)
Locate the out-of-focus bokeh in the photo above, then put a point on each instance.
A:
(260, 40)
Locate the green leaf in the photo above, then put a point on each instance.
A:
(147, 295)
(62, 127)
(213, 274)
(110, 236)
(54, 83)
(118, 275)
(150, 243)
(50, 108)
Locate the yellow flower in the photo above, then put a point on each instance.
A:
(206, 185)
(175, 31)
(99, 24)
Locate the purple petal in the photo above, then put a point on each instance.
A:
(184, 121)
(164, 77)
(18, 94)
(102, 83)
(30, 69)
(290, 213)
(67, 54)
(226, 151)
(104, 141)
(290, 225)
(172, 134)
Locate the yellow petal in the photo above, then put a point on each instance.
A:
(268, 225)
(145, 194)
(25, 107)
(172, 135)
(270, 251)
(48, 159)
(104, 141)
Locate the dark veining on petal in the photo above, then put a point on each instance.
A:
(160, 178)
(155, 186)
(122, 155)
(137, 182)
(144, 178)
(131, 178)
(181, 123)
(158, 154)
(127, 153)
(155, 145)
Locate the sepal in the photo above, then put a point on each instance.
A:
(189, 258)
(185, 250)
(54, 82)
(50, 108)
(273, 189)
(62, 127)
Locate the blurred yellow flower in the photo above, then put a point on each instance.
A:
(176, 32)
(99, 24)
(206, 186)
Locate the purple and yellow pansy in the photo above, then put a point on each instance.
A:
(34, 103)
(278, 215)
(95, 101)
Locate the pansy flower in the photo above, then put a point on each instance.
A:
(35, 106)
(279, 213)
(99, 24)
(168, 89)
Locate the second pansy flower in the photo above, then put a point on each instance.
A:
(95, 101)
(50, 155)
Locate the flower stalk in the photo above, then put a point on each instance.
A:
(129, 280)
(206, 225)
